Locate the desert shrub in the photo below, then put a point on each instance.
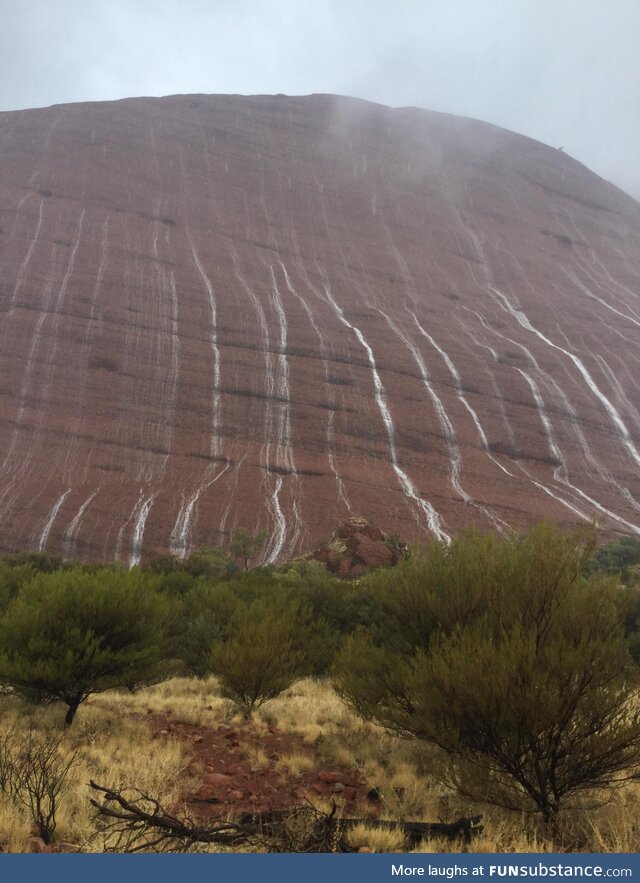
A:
(163, 564)
(210, 614)
(11, 580)
(266, 649)
(500, 653)
(620, 558)
(206, 619)
(41, 562)
(257, 583)
(629, 606)
(70, 634)
(176, 584)
(33, 774)
(337, 606)
(438, 588)
(210, 564)
(200, 635)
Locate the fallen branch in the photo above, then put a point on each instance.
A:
(137, 823)
(464, 828)
(134, 820)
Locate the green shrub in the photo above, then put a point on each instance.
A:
(42, 562)
(207, 615)
(620, 557)
(500, 653)
(266, 650)
(211, 564)
(70, 634)
(11, 580)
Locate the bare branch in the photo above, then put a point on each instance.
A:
(145, 814)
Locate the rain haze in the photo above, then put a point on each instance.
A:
(566, 72)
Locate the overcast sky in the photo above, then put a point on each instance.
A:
(564, 71)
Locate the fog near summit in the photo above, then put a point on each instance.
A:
(565, 72)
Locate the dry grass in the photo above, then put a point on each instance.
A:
(257, 758)
(404, 772)
(15, 828)
(111, 749)
(115, 746)
(394, 766)
(308, 708)
(295, 763)
(192, 700)
(375, 839)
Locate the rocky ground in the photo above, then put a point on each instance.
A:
(234, 781)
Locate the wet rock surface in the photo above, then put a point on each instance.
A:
(221, 311)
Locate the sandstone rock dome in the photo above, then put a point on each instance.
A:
(221, 311)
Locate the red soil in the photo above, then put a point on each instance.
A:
(230, 786)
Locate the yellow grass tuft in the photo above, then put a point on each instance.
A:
(375, 839)
(15, 828)
(294, 764)
(257, 757)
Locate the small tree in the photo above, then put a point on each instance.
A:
(529, 691)
(246, 545)
(264, 653)
(70, 634)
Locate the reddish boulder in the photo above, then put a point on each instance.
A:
(218, 780)
(330, 777)
(356, 546)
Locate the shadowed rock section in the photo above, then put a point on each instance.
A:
(272, 312)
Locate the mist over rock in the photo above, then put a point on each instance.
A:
(272, 312)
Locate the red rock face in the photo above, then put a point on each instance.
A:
(219, 311)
